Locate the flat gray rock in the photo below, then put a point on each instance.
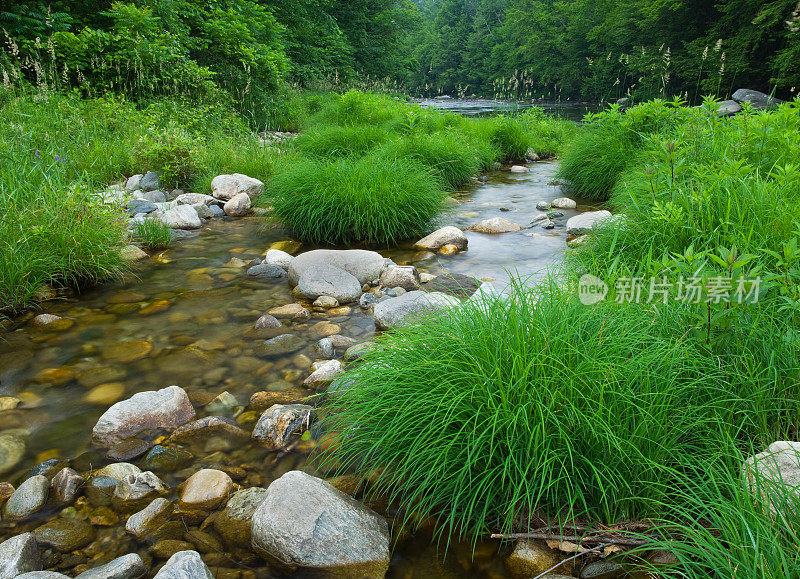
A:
(405, 308)
(364, 265)
(128, 566)
(149, 181)
(306, 522)
(266, 271)
(226, 187)
(283, 344)
(758, 100)
(326, 280)
(585, 222)
(18, 555)
(181, 217)
(166, 408)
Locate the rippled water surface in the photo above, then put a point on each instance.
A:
(480, 107)
(186, 317)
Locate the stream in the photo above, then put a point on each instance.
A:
(185, 317)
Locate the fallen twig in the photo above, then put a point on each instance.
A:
(575, 556)
(575, 538)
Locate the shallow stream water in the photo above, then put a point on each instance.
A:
(186, 317)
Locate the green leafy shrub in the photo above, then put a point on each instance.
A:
(152, 234)
(370, 199)
(534, 405)
(172, 158)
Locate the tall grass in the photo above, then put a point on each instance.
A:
(369, 199)
(340, 141)
(498, 416)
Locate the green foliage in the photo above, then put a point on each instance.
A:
(368, 199)
(532, 405)
(171, 157)
(340, 141)
(152, 234)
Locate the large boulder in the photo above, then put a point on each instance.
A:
(449, 235)
(227, 187)
(184, 565)
(19, 555)
(585, 222)
(306, 522)
(180, 217)
(408, 306)
(773, 476)
(238, 205)
(167, 408)
(326, 280)
(758, 100)
(365, 266)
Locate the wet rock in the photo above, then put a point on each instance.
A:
(454, 284)
(543, 206)
(166, 408)
(325, 329)
(55, 376)
(283, 344)
(364, 265)
(6, 490)
(206, 427)
(367, 301)
(324, 348)
(603, 570)
(65, 487)
(149, 181)
(143, 523)
(203, 211)
(519, 169)
(237, 206)
(184, 565)
(279, 422)
(279, 258)
(324, 374)
(42, 575)
(9, 403)
(585, 222)
(409, 306)
(180, 217)
(404, 276)
(234, 522)
(267, 322)
(28, 499)
(340, 341)
(128, 449)
(305, 521)
(448, 249)
(322, 279)
(444, 236)
(326, 302)
(105, 394)
(52, 322)
(118, 470)
(266, 271)
(128, 566)
(126, 351)
(65, 535)
(495, 225)
(48, 468)
(100, 490)
(12, 449)
(166, 548)
(19, 555)
(531, 558)
(290, 311)
(758, 100)
(136, 491)
(167, 459)
(227, 187)
(547, 224)
(206, 489)
(563, 203)
(356, 351)
(260, 401)
(223, 403)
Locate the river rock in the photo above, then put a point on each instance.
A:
(495, 225)
(404, 276)
(181, 217)
(166, 408)
(203, 210)
(290, 311)
(12, 449)
(728, 108)
(283, 344)
(65, 487)
(279, 422)
(563, 203)
(585, 222)
(324, 348)
(132, 253)
(185, 565)
(266, 271)
(326, 280)
(133, 183)
(449, 235)
(19, 555)
(155, 196)
(773, 476)
(149, 181)
(604, 570)
(137, 490)
(758, 100)
(167, 458)
(454, 284)
(195, 199)
(279, 258)
(206, 427)
(28, 499)
(128, 566)
(65, 535)
(364, 265)
(530, 558)
(227, 187)
(206, 489)
(519, 169)
(235, 521)
(405, 308)
(99, 490)
(42, 575)
(304, 521)
(238, 205)
(137, 206)
(118, 470)
(326, 372)
(149, 518)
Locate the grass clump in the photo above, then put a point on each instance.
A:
(340, 141)
(152, 234)
(370, 199)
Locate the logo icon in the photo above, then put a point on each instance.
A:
(591, 289)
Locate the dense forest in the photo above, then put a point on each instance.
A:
(552, 49)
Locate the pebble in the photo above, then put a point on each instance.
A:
(185, 565)
(12, 449)
(149, 519)
(206, 489)
(126, 351)
(28, 499)
(167, 458)
(65, 487)
(65, 535)
(137, 490)
(291, 311)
